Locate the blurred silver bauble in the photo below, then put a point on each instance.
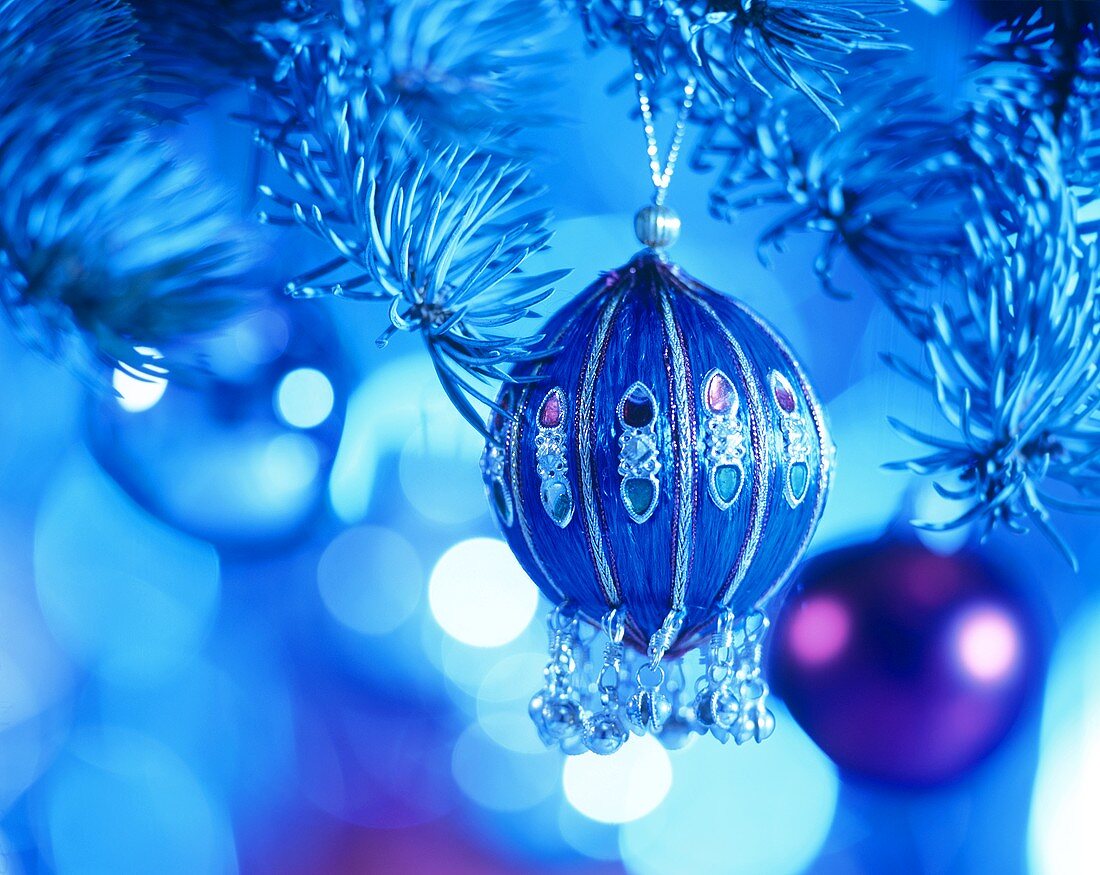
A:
(237, 451)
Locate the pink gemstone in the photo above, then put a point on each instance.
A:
(784, 396)
(719, 393)
(550, 413)
(637, 408)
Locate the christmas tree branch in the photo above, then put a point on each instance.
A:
(441, 233)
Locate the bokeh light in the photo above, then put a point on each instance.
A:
(139, 391)
(863, 497)
(401, 409)
(8, 860)
(122, 592)
(370, 579)
(368, 762)
(480, 595)
(34, 672)
(501, 779)
(819, 630)
(619, 788)
(502, 701)
(304, 398)
(35, 677)
(988, 642)
(759, 808)
(215, 456)
(600, 841)
(1063, 838)
(439, 472)
(123, 804)
(930, 506)
(286, 467)
(258, 339)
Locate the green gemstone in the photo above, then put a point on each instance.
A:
(799, 480)
(639, 495)
(727, 483)
(563, 504)
(557, 498)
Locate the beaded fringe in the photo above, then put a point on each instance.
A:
(589, 703)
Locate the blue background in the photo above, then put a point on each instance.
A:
(233, 637)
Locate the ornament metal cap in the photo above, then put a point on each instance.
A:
(658, 227)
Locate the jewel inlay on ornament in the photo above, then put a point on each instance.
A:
(551, 458)
(550, 413)
(721, 397)
(725, 439)
(795, 441)
(639, 465)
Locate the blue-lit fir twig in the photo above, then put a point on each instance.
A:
(110, 251)
(884, 188)
(1049, 64)
(799, 44)
(469, 72)
(981, 209)
(379, 115)
(192, 49)
(1015, 365)
(108, 254)
(443, 239)
(80, 53)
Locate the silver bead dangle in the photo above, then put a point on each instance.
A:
(650, 707)
(716, 703)
(556, 708)
(755, 720)
(731, 695)
(604, 732)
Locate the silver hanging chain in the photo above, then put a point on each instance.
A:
(662, 177)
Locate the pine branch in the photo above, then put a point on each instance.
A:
(193, 49)
(885, 189)
(80, 53)
(983, 207)
(109, 249)
(443, 238)
(1014, 368)
(471, 72)
(797, 44)
(1050, 65)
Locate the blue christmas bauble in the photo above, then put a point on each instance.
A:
(659, 473)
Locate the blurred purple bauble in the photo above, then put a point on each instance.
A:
(905, 666)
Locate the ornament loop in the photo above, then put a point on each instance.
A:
(650, 677)
(614, 625)
(665, 637)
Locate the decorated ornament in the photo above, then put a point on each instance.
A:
(658, 473)
(905, 666)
